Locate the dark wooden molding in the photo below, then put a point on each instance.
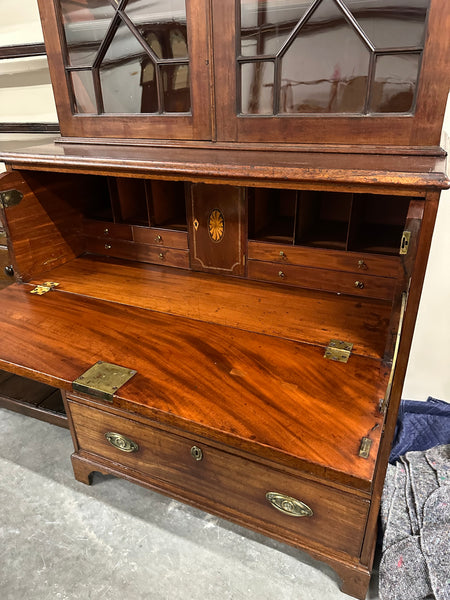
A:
(29, 128)
(22, 51)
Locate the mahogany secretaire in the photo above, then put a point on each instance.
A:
(220, 260)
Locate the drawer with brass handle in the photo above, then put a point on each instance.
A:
(321, 258)
(323, 279)
(222, 482)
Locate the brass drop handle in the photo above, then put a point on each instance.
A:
(120, 442)
(362, 265)
(108, 246)
(359, 285)
(282, 254)
(161, 255)
(158, 239)
(196, 453)
(289, 506)
(281, 275)
(106, 231)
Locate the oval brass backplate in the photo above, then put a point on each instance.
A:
(289, 506)
(120, 442)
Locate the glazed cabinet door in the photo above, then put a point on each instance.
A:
(331, 71)
(129, 68)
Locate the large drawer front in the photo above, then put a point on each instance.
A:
(222, 482)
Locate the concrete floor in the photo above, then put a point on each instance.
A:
(61, 539)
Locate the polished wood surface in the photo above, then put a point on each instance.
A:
(45, 227)
(353, 262)
(252, 306)
(408, 175)
(217, 218)
(323, 279)
(234, 386)
(222, 481)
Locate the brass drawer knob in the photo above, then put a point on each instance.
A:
(282, 254)
(106, 231)
(158, 239)
(162, 256)
(196, 453)
(108, 246)
(362, 265)
(120, 442)
(359, 285)
(281, 275)
(289, 506)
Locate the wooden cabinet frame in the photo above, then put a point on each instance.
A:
(421, 129)
(165, 241)
(196, 126)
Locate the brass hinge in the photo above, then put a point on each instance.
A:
(10, 198)
(102, 380)
(364, 449)
(404, 244)
(45, 287)
(338, 351)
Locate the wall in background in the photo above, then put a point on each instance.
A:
(428, 371)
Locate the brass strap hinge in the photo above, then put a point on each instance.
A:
(404, 244)
(338, 351)
(102, 380)
(45, 287)
(10, 198)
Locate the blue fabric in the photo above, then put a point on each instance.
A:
(420, 426)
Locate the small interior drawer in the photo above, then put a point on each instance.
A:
(337, 260)
(161, 237)
(359, 284)
(139, 252)
(222, 482)
(106, 230)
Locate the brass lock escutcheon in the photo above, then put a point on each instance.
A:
(289, 506)
(120, 442)
(196, 453)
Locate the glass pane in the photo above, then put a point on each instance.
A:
(395, 83)
(83, 92)
(85, 25)
(162, 25)
(257, 88)
(121, 73)
(177, 97)
(399, 24)
(20, 22)
(25, 91)
(149, 102)
(265, 24)
(325, 69)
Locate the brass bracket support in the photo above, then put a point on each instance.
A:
(338, 351)
(102, 380)
(45, 287)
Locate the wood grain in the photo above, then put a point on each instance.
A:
(220, 479)
(296, 314)
(233, 386)
(407, 175)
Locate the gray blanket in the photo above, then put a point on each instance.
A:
(415, 517)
